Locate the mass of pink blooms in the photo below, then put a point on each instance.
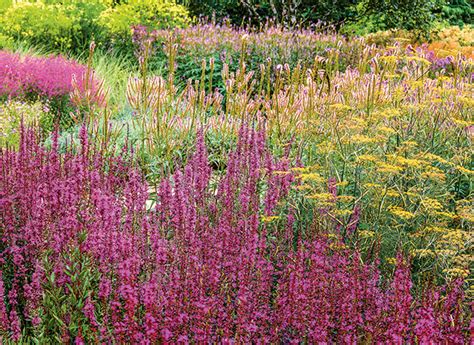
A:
(200, 266)
(47, 77)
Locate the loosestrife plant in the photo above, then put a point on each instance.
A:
(62, 83)
(84, 259)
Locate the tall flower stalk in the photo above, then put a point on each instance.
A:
(213, 261)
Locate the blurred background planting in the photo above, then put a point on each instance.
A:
(70, 25)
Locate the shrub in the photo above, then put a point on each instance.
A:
(361, 16)
(453, 41)
(84, 258)
(458, 12)
(419, 16)
(39, 24)
(85, 15)
(5, 41)
(290, 13)
(4, 4)
(117, 21)
(53, 26)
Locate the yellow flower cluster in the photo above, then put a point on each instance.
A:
(397, 139)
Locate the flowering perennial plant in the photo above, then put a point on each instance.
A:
(84, 259)
(391, 126)
(51, 78)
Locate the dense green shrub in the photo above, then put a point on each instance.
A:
(40, 24)
(71, 26)
(359, 16)
(4, 4)
(285, 12)
(417, 15)
(458, 12)
(85, 14)
(53, 26)
(117, 21)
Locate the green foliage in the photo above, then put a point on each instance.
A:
(285, 12)
(115, 69)
(61, 303)
(70, 26)
(53, 26)
(5, 41)
(418, 15)
(39, 24)
(458, 12)
(4, 4)
(85, 14)
(11, 115)
(219, 9)
(360, 16)
(117, 21)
